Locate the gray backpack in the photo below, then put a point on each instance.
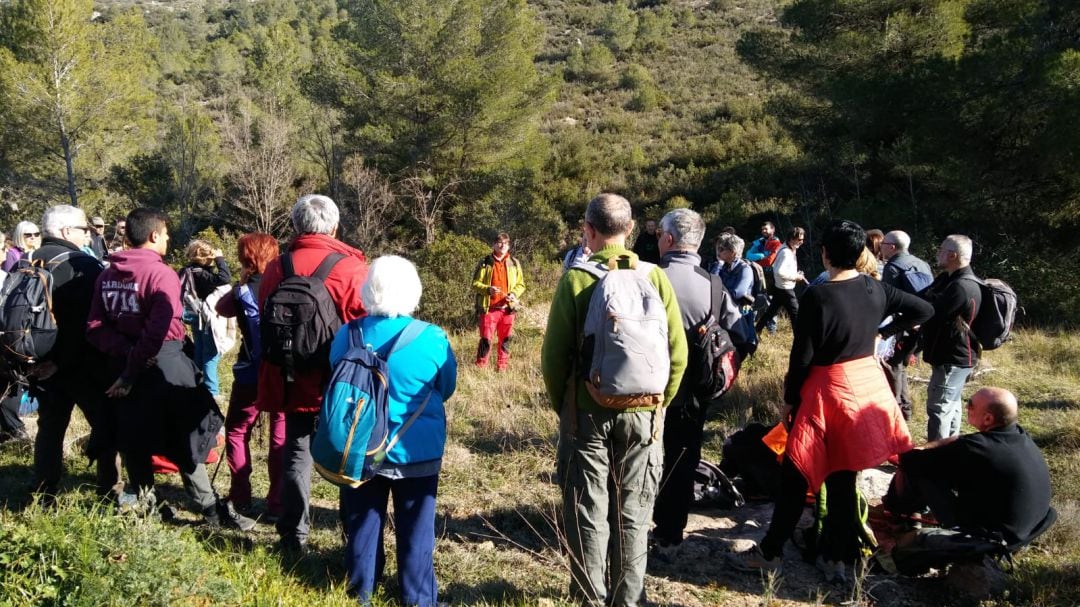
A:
(625, 338)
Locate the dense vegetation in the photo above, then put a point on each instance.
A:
(498, 540)
(432, 118)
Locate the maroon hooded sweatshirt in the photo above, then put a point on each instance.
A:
(135, 309)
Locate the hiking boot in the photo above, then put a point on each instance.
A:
(292, 547)
(166, 512)
(835, 571)
(144, 504)
(753, 560)
(665, 553)
(222, 514)
(15, 436)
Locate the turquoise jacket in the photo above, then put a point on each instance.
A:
(425, 365)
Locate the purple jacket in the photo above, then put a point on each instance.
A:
(135, 309)
(11, 259)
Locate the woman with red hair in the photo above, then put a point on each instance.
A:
(255, 251)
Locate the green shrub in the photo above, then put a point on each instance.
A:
(654, 30)
(592, 63)
(446, 269)
(620, 27)
(84, 555)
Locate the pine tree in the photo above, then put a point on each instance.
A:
(76, 92)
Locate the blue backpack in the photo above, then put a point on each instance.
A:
(352, 438)
(913, 281)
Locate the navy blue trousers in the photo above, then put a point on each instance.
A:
(363, 513)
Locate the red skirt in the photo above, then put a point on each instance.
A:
(848, 420)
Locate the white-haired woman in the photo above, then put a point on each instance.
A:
(423, 375)
(27, 238)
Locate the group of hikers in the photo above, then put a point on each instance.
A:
(638, 344)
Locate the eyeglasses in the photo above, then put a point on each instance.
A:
(32, 235)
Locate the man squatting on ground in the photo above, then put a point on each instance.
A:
(607, 458)
(991, 482)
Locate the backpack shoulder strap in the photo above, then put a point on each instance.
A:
(327, 265)
(61, 258)
(715, 289)
(356, 335)
(407, 335)
(597, 269)
(287, 269)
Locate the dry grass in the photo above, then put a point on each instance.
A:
(497, 537)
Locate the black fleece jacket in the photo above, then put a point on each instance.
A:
(73, 288)
(947, 338)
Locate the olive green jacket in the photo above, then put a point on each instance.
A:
(561, 351)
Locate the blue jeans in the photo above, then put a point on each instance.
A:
(363, 511)
(207, 358)
(943, 396)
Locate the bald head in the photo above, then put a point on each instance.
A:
(993, 407)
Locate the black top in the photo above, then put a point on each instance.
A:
(946, 341)
(647, 247)
(1001, 480)
(207, 278)
(838, 321)
(73, 288)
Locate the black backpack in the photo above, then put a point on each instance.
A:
(299, 319)
(996, 314)
(27, 324)
(745, 456)
(713, 489)
(714, 356)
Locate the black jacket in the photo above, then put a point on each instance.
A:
(207, 278)
(947, 338)
(896, 267)
(73, 288)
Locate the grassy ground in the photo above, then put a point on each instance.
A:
(497, 538)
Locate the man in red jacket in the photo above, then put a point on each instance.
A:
(315, 220)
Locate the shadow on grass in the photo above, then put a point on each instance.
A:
(495, 591)
(1061, 438)
(16, 478)
(482, 440)
(1052, 404)
(525, 528)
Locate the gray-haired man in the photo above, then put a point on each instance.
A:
(315, 221)
(680, 235)
(609, 459)
(900, 268)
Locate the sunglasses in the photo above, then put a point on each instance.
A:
(32, 235)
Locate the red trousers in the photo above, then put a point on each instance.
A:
(496, 323)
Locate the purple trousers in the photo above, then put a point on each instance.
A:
(239, 423)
